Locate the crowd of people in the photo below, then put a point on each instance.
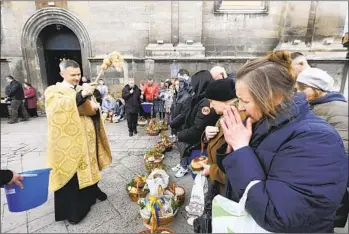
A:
(22, 99)
(276, 121)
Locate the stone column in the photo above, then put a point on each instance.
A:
(190, 28)
(149, 68)
(190, 21)
(174, 22)
(125, 70)
(294, 24)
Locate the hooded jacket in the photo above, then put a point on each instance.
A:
(180, 105)
(334, 109)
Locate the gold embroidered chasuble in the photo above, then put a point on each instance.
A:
(72, 140)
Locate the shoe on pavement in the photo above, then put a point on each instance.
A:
(72, 222)
(135, 132)
(190, 220)
(172, 137)
(102, 196)
(130, 134)
(182, 172)
(176, 168)
(12, 121)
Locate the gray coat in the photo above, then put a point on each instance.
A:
(334, 109)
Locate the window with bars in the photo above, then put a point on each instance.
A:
(246, 7)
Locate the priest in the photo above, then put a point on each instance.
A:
(78, 148)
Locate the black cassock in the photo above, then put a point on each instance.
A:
(72, 203)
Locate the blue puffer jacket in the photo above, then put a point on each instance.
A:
(302, 164)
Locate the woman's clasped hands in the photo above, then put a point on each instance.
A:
(236, 134)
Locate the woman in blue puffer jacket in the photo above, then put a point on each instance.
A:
(298, 157)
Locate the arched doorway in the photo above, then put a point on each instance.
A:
(34, 52)
(58, 43)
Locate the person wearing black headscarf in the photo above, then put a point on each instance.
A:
(199, 83)
(199, 116)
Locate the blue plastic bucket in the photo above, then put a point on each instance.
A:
(33, 194)
(147, 106)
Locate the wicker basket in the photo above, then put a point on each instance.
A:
(135, 196)
(164, 221)
(159, 230)
(141, 185)
(161, 148)
(180, 198)
(153, 132)
(142, 121)
(164, 127)
(157, 162)
(149, 166)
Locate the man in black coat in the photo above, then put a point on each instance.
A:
(14, 91)
(180, 106)
(132, 96)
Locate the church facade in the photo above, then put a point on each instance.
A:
(157, 38)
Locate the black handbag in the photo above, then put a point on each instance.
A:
(203, 224)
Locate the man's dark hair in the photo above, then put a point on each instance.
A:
(183, 72)
(295, 55)
(10, 77)
(68, 63)
(28, 84)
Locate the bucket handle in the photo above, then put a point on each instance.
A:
(29, 175)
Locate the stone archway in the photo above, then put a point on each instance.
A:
(47, 16)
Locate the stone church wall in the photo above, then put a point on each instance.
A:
(226, 39)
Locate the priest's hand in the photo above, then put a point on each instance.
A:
(95, 105)
(87, 90)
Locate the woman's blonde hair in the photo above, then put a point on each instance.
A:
(269, 78)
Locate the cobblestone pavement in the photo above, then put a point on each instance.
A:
(23, 147)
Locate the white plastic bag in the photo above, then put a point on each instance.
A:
(153, 183)
(197, 198)
(231, 217)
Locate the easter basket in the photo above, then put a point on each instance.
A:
(159, 230)
(164, 220)
(142, 121)
(137, 188)
(178, 191)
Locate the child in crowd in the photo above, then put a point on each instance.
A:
(119, 109)
(160, 102)
(167, 96)
(108, 107)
